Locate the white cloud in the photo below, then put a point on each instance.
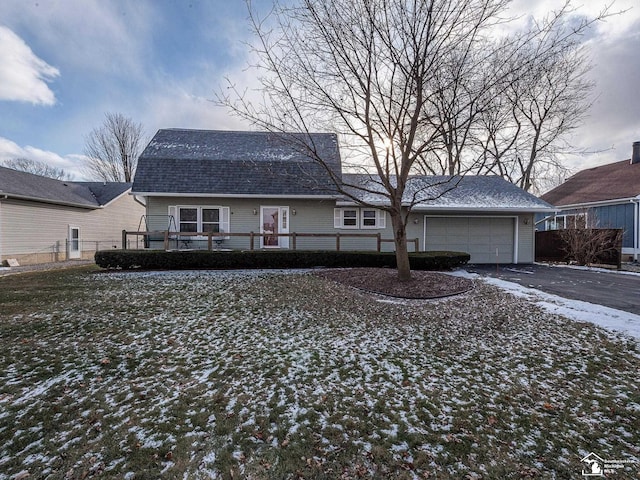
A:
(85, 35)
(72, 164)
(23, 75)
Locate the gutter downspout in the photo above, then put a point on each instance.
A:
(137, 200)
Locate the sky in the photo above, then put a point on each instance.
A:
(65, 63)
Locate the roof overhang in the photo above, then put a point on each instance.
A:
(601, 203)
(454, 208)
(4, 195)
(235, 195)
(483, 209)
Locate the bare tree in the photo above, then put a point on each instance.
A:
(37, 167)
(113, 149)
(528, 128)
(376, 72)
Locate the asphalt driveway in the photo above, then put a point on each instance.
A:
(611, 289)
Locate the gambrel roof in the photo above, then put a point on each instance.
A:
(619, 180)
(27, 186)
(215, 162)
(180, 162)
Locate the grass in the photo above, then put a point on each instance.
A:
(279, 375)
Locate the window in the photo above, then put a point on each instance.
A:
(373, 218)
(562, 222)
(364, 218)
(204, 219)
(188, 220)
(345, 218)
(211, 220)
(350, 218)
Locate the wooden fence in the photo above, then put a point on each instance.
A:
(550, 247)
(217, 238)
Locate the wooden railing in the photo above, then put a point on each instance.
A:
(218, 237)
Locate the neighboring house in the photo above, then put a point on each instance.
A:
(241, 182)
(607, 196)
(47, 220)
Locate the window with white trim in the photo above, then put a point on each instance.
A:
(359, 218)
(372, 218)
(204, 219)
(562, 222)
(345, 218)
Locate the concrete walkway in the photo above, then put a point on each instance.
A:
(619, 290)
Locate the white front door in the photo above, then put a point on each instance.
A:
(273, 221)
(73, 243)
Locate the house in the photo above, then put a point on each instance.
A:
(607, 196)
(234, 183)
(47, 220)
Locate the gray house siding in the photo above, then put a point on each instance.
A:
(305, 216)
(317, 217)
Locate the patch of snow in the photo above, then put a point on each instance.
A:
(577, 310)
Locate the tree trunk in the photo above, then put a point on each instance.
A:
(402, 254)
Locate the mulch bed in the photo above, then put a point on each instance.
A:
(384, 281)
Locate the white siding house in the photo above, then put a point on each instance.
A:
(47, 220)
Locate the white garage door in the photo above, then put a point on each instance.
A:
(481, 237)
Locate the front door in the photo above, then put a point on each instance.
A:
(274, 221)
(73, 243)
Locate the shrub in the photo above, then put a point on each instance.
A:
(592, 245)
(198, 259)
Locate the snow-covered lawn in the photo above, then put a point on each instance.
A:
(286, 375)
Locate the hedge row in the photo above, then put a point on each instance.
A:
(198, 259)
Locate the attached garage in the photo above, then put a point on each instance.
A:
(486, 239)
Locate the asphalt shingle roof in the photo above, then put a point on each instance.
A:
(25, 185)
(235, 163)
(473, 192)
(606, 182)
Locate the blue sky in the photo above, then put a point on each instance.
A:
(64, 63)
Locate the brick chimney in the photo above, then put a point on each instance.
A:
(635, 155)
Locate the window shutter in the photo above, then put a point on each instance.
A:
(172, 221)
(382, 219)
(225, 213)
(337, 218)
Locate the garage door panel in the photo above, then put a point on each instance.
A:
(486, 239)
(477, 228)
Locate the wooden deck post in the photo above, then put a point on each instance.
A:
(379, 241)
(251, 241)
(124, 239)
(166, 239)
(293, 240)
(338, 242)
(209, 242)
